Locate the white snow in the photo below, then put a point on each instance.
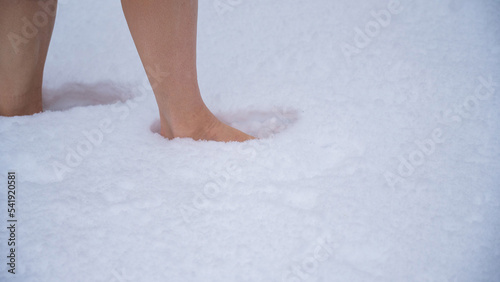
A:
(381, 163)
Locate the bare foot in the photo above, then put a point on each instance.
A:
(165, 131)
(202, 125)
(21, 105)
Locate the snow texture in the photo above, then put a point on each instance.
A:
(379, 158)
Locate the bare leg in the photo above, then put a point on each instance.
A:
(25, 31)
(164, 32)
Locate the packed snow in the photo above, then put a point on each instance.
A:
(378, 157)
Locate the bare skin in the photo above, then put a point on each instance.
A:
(23, 51)
(164, 32)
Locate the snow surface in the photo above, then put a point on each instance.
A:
(381, 165)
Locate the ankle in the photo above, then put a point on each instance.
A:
(195, 123)
(20, 105)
